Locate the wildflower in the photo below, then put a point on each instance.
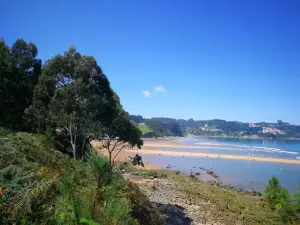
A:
(57, 174)
(41, 169)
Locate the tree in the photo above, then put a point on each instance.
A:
(19, 73)
(136, 118)
(72, 94)
(121, 133)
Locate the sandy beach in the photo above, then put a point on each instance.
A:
(209, 155)
(155, 147)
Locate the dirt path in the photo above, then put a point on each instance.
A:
(173, 204)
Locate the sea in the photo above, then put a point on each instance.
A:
(245, 174)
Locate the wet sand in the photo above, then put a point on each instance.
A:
(154, 147)
(209, 155)
(209, 145)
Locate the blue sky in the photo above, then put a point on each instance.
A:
(233, 60)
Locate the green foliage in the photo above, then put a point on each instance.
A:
(137, 160)
(145, 129)
(100, 168)
(72, 205)
(43, 186)
(164, 126)
(119, 134)
(70, 100)
(4, 131)
(274, 192)
(19, 72)
(297, 201)
(279, 199)
(87, 221)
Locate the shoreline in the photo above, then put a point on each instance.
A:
(211, 155)
(244, 137)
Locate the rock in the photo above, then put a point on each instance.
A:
(123, 171)
(241, 217)
(177, 172)
(209, 172)
(197, 174)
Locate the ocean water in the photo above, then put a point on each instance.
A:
(239, 173)
(255, 147)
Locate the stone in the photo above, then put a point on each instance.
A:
(241, 217)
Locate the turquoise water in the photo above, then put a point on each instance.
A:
(255, 147)
(285, 145)
(239, 173)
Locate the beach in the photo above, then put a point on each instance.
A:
(166, 146)
(162, 147)
(243, 166)
(221, 156)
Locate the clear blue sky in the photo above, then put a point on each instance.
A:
(201, 59)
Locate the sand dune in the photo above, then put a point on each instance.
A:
(222, 156)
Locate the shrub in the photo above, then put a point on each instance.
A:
(99, 167)
(137, 160)
(4, 131)
(39, 185)
(279, 199)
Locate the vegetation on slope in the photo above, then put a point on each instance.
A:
(145, 129)
(51, 175)
(40, 185)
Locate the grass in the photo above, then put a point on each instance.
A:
(145, 129)
(230, 206)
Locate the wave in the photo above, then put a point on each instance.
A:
(250, 148)
(278, 150)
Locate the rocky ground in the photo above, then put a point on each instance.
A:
(176, 206)
(186, 200)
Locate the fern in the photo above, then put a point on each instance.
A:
(87, 221)
(99, 167)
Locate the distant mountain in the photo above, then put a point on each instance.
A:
(162, 126)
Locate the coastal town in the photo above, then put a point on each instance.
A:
(159, 127)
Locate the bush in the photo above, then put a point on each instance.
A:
(39, 185)
(4, 131)
(137, 160)
(279, 199)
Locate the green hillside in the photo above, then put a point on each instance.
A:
(145, 129)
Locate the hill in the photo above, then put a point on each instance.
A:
(178, 127)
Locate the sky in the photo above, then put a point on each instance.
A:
(202, 59)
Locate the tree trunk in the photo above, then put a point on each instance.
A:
(74, 150)
(110, 162)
